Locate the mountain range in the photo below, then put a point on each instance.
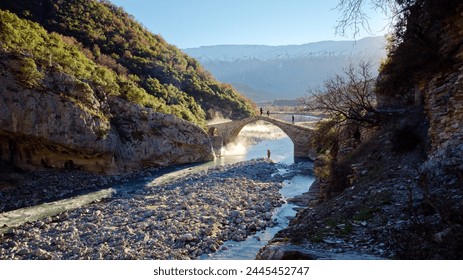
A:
(266, 73)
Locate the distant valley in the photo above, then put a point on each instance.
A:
(267, 73)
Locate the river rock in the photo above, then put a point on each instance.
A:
(208, 231)
(252, 227)
(23, 251)
(187, 237)
(146, 225)
(214, 247)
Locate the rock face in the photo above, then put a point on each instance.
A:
(444, 101)
(440, 93)
(443, 97)
(66, 124)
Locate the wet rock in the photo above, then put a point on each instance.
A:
(213, 247)
(252, 227)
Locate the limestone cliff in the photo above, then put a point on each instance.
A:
(443, 97)
(435, 86)
(63, 123)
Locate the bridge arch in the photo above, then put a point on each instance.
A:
(235, 131)
(300, 136)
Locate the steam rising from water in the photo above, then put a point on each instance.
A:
(235, 149)
(218, 119)
(251, 135)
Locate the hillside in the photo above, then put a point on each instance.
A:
(61, 109)
(110, 37)
(266, 73)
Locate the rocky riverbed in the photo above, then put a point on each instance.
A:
(179, 219)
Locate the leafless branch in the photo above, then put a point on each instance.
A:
(354, 17)
(346, 96)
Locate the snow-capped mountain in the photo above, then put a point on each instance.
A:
(265, 73)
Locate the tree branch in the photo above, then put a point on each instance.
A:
(346, 97)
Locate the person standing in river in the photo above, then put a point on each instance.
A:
(268, 153)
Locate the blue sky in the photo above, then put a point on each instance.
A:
(194, 23)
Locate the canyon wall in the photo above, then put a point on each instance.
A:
(63, 123)
(443, 97)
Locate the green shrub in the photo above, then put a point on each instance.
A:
(29, 74)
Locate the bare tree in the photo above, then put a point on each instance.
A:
(354, 16)
(346, 96)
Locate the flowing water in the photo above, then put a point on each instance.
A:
(247, 249)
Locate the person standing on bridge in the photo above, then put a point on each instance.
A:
(268, 153)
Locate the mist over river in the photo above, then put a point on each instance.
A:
(253, 142)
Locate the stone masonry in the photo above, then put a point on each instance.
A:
(300, 135)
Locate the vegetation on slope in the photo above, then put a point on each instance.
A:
(110, 37)
(39, 53)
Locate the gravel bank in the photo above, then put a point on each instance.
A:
(182, 219)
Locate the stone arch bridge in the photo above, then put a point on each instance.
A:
(227, 132)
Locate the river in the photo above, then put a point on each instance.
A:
(254, 141)
(282, 151)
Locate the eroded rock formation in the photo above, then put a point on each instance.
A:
(64, 123)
